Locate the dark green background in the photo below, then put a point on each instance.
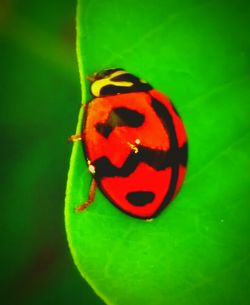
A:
(40, 98)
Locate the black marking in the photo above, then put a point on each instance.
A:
(183, 154)
(104, 129)
(157, 159)
(167, 121)
(129, 117)
(140, 198)
(120, 116)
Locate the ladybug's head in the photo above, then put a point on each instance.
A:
(116, 81)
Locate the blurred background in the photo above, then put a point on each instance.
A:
(40, 99)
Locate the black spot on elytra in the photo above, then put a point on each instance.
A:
(118, 117)
(128, 117)
(104, 129)
(140, 198)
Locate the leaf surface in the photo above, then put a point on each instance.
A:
(197, 250)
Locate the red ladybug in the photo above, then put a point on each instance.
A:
(134, 143)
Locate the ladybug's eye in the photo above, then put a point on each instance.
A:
(120, 116)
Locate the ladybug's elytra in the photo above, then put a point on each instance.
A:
(134, 143)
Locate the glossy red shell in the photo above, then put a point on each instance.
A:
(139, 168)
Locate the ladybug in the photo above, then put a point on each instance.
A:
(134, 142)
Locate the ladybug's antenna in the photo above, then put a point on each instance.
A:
(91, 78)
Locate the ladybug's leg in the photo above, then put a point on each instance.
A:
(78, 137)
(74, 138)
(90, 199)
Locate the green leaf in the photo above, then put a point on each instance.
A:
(197, 250)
